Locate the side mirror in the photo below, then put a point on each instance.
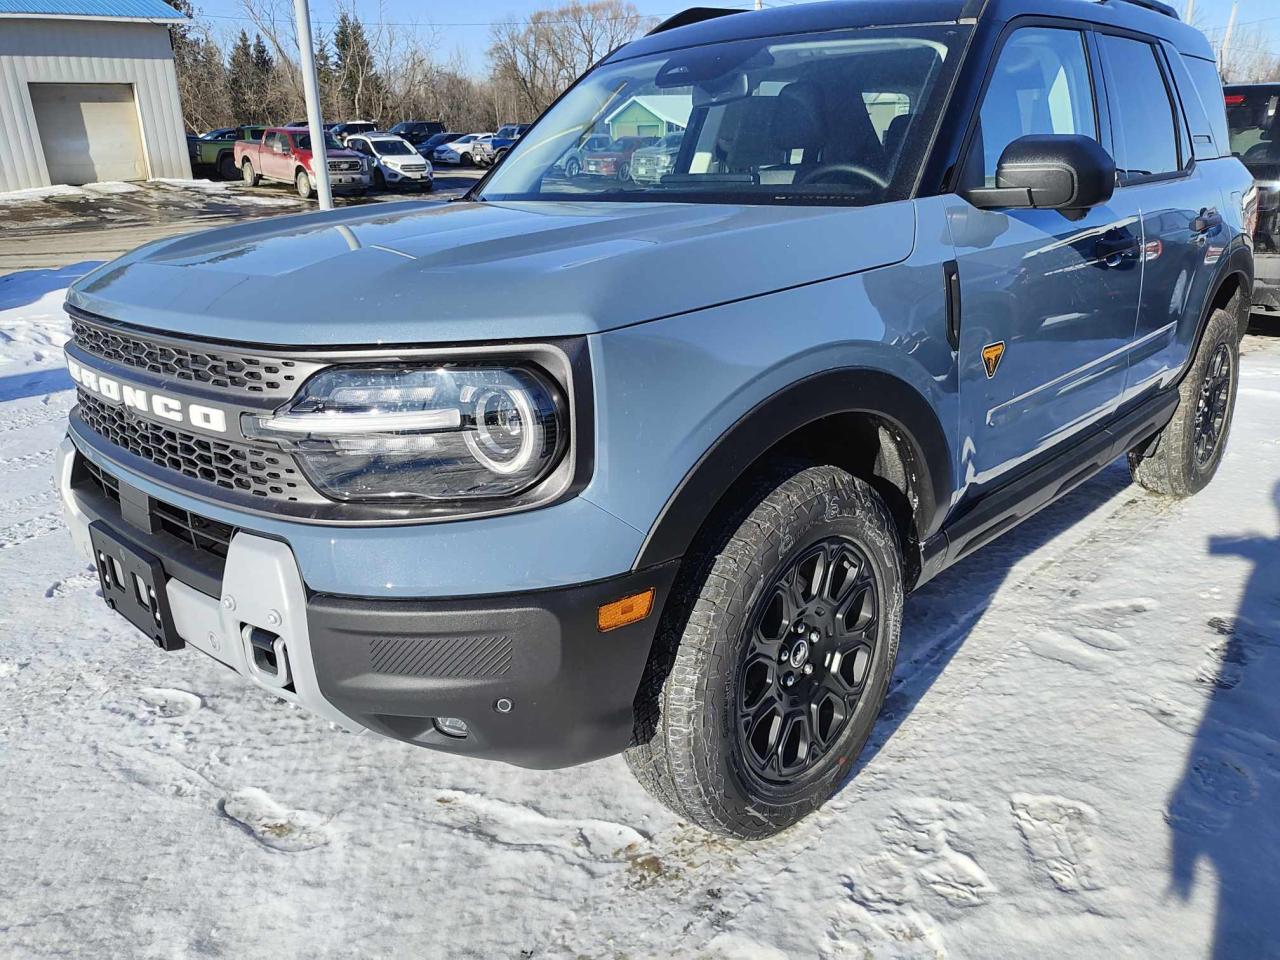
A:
(1055, 171)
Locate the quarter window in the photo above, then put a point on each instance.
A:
(1145, 131)
(1040, 85)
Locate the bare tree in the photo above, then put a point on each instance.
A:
(541, 57)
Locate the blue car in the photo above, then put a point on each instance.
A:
(657, 470)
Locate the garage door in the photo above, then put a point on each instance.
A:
(89, 132)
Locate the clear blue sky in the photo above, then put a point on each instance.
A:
(464, 26)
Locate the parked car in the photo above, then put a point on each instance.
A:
(571, 163)
(481, 151)
(284, 155)
(417, 131)
(504, 140)
(393, 161)
(651, 164)
(457, 152)
(655, 477)
(1253, 119)
(214, 152)
(428, 146)
(341, 131)
(614, 159)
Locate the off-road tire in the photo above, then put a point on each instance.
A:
(303, 184)
(227, 166)
(248, 174)
(685, 751)
(1169, 465)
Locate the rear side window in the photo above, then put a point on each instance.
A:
(1204, 74)
(1040, 85)
(1254, 117)
(1145, 132)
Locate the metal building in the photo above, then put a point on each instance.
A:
(88, 93)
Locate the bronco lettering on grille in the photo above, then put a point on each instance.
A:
(147, 401)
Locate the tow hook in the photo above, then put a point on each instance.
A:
(267, 656)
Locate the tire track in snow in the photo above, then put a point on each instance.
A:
(25, 531)
(27, 460)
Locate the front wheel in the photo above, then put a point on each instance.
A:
(303, 182)
(1187, 452)
(379, 181)
(769, 671)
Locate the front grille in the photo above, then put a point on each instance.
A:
(205, 535)
(225, 370)
(344, 166)
(414, 168)
(231, 466)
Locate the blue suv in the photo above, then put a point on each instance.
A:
(657, 470)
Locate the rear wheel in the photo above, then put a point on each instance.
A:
(1187, 452)
(624, 171)
(773, 664)
(572, 167)
(303, 182)
(248, 174)
(227, 166)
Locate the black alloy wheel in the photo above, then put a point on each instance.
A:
(1213, 404)
(806, 661)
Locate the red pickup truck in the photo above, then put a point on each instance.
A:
(283, 154)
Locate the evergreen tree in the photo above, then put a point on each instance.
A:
(241, 92)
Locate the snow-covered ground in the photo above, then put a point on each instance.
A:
(1080, 758)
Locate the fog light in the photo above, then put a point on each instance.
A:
(630, 609)
(451, 727)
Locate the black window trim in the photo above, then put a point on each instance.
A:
(1181, 127)
(1101, 107)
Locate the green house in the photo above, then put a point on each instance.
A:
(651, 116)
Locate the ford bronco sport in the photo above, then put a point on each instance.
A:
(658, 471)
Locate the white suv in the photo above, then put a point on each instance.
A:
(394, 161)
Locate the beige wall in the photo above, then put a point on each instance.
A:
(79, 51)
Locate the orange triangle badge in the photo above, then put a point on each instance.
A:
(991, 355)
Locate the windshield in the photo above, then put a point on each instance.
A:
(842, 117)
(1254, 122)
(303, 140)
(392, 148)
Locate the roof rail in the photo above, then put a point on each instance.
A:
(692, 15)
(1159, 6)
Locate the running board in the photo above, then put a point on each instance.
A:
(1008, 506)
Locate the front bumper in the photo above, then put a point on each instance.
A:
(534, 680)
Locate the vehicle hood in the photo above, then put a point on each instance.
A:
(418, 273)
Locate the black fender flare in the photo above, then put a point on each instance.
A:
(1237, 259)
(841, 391)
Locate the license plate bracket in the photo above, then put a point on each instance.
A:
(133, 584)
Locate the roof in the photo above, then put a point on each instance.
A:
(148, 11)
(671, 107)
(699, 27)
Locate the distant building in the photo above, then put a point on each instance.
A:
(651, 116)
(88, 93)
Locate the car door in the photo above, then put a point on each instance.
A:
(275, 157)
(1048, 299)
(1183, 233)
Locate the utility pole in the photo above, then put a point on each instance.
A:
(311, 90)
(759, 5)
(1189, 12)
(1226, 40)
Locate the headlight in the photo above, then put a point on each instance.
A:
(453, 432)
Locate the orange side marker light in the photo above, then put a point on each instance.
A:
(628, 610)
